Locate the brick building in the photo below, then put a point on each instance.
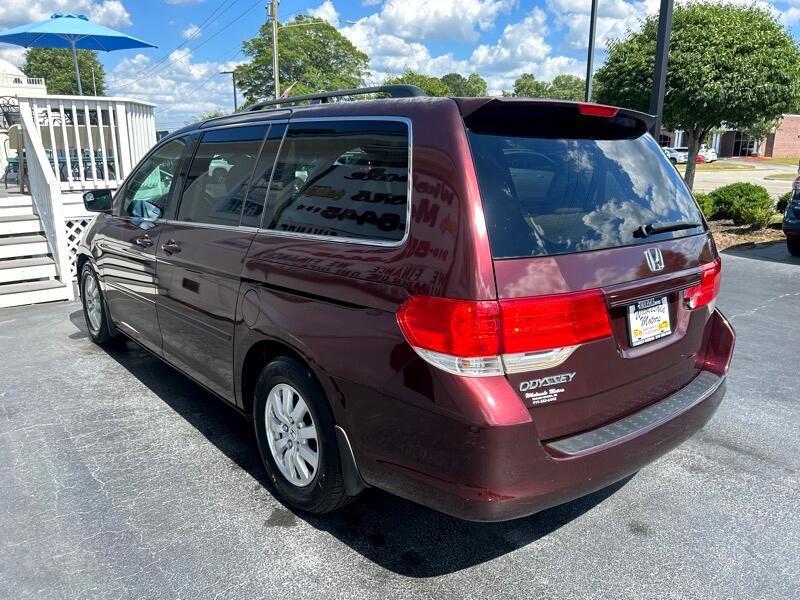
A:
(783, 142)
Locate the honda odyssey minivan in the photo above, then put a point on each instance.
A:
(488, 306)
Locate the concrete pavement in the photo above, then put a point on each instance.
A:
(120, 478)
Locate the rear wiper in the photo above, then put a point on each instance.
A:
(644, 231)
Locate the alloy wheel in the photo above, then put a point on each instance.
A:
(292, 435)
(94, 307)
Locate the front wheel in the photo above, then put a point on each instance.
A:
(793, 244)
(94, 311)
(296, 437)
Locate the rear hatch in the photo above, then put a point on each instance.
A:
(595, 239)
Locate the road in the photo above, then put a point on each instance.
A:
(119, 478)
(707, 181)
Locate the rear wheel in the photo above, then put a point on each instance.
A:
(296, 437)
(94, 310)
(793, 244)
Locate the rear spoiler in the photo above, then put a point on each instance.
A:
(470, 106)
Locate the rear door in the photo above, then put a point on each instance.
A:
(128, 240)
(200, 255)
(588, 204)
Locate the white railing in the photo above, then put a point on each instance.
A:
(15, 81)
(90, 142)
(47, 200)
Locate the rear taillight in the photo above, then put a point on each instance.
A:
(455, 327)
(490, 337)
(707, 290)
(548, 322)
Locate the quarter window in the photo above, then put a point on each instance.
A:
(219, 175)
(254, 205)
(145, 194)
(346, 179)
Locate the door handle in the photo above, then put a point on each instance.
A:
(144, 241)
(171, 247)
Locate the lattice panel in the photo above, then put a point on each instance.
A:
(75, 228)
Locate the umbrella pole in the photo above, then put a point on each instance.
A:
(77, 68)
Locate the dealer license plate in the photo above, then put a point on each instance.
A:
(648, 320)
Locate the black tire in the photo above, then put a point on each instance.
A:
(674, 162)
(325, 492)
(793, 244)
(105, 333)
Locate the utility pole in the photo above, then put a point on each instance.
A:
(94, 85)
(662, 58)
(587, 96)
(273, 13)
(235, 99)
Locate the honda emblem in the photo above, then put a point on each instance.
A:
(654, 259)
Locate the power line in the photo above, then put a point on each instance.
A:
(151, 71)
(155, 66)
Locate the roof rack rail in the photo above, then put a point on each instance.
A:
(394, 91)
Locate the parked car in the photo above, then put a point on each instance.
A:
(675, 156)
(709, 154)
(791, 220)
(488, 306)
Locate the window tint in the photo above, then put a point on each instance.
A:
(218, 177)
(254, 206)
(342, 179)
(553, 196)
(146, 192)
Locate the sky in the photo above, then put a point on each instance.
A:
(196, 39)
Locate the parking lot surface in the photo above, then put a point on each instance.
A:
(120, 478)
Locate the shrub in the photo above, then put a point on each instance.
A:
(783, 202)
(706, 203)
(758, 217)
(737, 200)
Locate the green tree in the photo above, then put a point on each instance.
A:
(566, 87)
(727, 64)
(58, 69)
(526, 86)
(432, 86)
(312, 55)
(206, 116)
(474, 85)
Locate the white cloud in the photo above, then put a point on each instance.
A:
(418, 20)
(181, 88)
(325, 11)
(13, 54)
(183, 2)
(370, 2)
(111, 13)
(521, 48)
(191, 32)
(791, 16)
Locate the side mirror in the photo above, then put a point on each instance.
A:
(97, 201)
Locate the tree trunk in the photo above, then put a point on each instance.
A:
(694, 137)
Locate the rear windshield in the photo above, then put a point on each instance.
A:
(545, 195)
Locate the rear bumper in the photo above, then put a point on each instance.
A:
(511, 473)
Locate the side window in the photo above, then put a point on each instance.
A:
(219, 175)
(146, 192)
(344, 179)
(254, 204)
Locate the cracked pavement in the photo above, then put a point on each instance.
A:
(120, 478)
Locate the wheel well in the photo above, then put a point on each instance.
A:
(80, 260)
(257, 357)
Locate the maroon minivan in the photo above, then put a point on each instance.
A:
(485, 305)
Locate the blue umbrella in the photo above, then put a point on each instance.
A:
(68, 30)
